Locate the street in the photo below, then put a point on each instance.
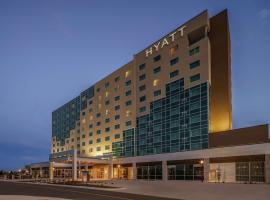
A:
(13, 188)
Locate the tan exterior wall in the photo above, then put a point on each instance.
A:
(242, 136)
(220, 91)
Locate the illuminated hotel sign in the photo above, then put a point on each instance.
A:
(165, 41)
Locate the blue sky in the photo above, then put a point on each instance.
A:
(52, 50)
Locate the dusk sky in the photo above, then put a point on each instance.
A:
(52, 50)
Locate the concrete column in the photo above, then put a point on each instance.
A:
(164, 170)
(110, 172)
(40, 172)
(51, 171)
(267, 168)
(206, 169)
(74, 165)
(134, 171)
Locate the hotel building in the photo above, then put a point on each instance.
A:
(165, 115)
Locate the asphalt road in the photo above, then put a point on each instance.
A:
(13, 188)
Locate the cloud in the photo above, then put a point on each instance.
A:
(264, 13)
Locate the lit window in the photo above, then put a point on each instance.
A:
(127, 74)
(106, 112)
(173, 49)
(128, 113)
(99, 106)
(156, 82)
(106, 94)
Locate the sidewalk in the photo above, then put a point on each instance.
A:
(195, 190)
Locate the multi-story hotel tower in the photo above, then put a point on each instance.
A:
(167, 114)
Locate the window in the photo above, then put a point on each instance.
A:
(174, 73)
(142, 109)
(174, 49)
(143, 98)
(194, 51)
(128, 93)
(127, 74)
(117, 107)
(107, 138)
(116, 136)
(194, 64)
(98, 149)
(107, 147)
(194, 119)
(156, 82)
(157, 58)
(117, 79)
(116, 126)
(195, 78)
(107, 120)
(142, 66)
(83, 143)
(98, 89)
(142, 77)
(156, 70)
(98, 115)
(142, 88)
(107, 85)
(157, 93)
(107, 102)
(128, 103)
(90, 141)
(128, 123)
(128, 83)
(98, 123)
(90, 125)
(174, 61)
(90, 134)
(90, 102)
(107, 129)
(117, 98)
(128, 113)
(83, 113)
(116, 117)
(98, 132)
(98, 140)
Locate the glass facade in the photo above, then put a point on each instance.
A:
(150, 171)
(250, 171)
(178, 122)
(185, 172)
(64, 119)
